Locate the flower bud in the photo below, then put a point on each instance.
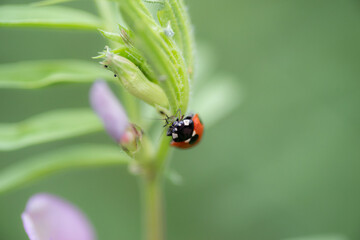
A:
(134, 81)
(130, 140)
(109, 109)
(114, 117)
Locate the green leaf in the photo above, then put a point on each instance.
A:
(217, 99)
(49, 2)
(50, 126)
(36, 74)
(116, 37)
(49, 16)
(175, 12)
(38, 167)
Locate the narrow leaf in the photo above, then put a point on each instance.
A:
(47, 16)
(36, 74)
(51, 126)
(218, 98)
(49, 2)
(44, 165)
(175, 13)
(116, 37)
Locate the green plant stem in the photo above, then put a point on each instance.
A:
(152, 193)
(152, 179)
(162, 153)
(153, 205)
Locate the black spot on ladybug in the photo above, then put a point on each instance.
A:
(194, 139)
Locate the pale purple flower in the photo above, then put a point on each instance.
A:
(47, 217)
(109, 109)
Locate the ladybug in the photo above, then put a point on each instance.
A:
(186, 132)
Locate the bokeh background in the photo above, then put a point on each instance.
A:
(285, 164)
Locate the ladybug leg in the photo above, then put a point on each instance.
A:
(179, 115)
(166, 121)
(162, 113)
(176, 113)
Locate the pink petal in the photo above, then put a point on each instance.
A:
(47, 217)
(109, 109)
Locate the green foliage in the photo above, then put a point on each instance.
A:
(148, 55)
(153, 60)
(49, 2)
(284, 165)
(82, 156)
(49, 16)
(50, 126)
(174, 12)
(36, 74)
(161, 51)
(128, 51)
(116, 37)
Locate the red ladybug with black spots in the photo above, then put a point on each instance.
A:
(186, 132)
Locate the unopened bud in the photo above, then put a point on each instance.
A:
(130, 140)
(134, 81)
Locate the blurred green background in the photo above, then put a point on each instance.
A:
(285, 164)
